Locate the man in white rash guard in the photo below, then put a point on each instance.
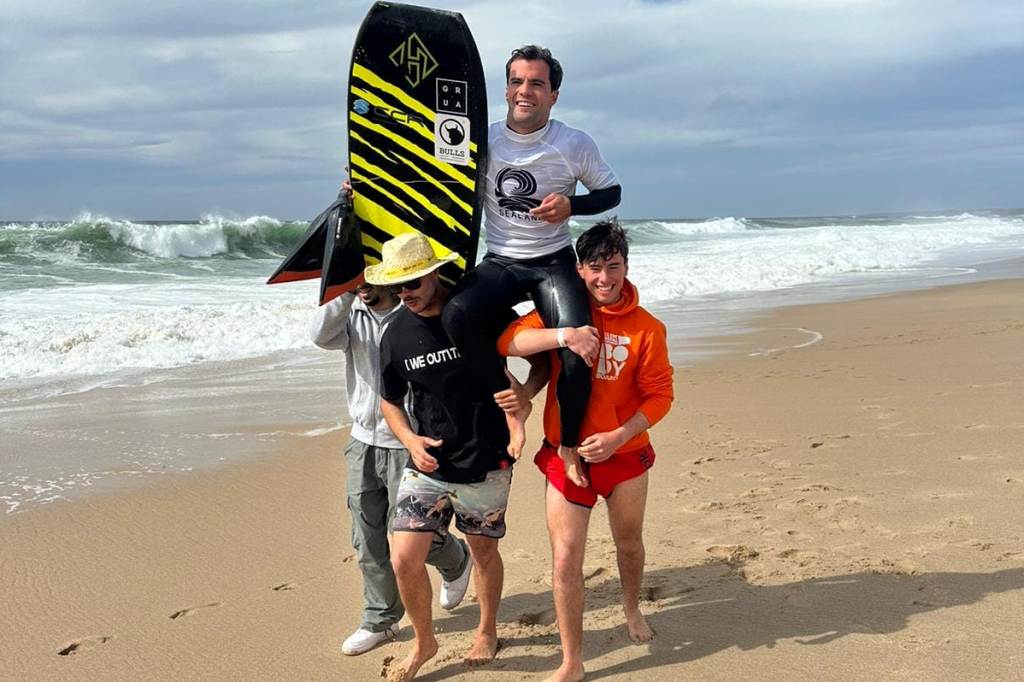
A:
(534, 163)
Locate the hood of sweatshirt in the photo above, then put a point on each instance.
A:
(627, 303)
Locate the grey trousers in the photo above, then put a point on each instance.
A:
(373, 477)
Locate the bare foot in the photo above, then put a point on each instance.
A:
(567, 673)
(517, 430)
(573, 466)
(638, 629)
(485, 648)
(420, 654)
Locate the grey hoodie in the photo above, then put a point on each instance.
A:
(347, 324)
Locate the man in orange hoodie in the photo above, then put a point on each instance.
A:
(632, 390)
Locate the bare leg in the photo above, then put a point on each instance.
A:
(567, 530)
(626, 516)
(573, 466)
(488, 580)
(408, 557)
(517, 430)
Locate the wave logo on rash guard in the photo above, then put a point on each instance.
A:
(513, 187)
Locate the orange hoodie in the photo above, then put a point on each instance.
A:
(632, 371)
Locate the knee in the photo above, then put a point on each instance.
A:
(404, 564)
(484, 553)
(567, 560)
(631, 547)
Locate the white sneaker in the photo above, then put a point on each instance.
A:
(453, 592)
(362, 640)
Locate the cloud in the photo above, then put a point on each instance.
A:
(236, 94)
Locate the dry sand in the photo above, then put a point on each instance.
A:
(842, 507)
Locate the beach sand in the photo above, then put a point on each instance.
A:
(840, 495)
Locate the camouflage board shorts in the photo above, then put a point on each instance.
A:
(427, 504)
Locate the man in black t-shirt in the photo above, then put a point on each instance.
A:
(459, 463)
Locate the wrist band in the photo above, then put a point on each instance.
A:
(561, 337)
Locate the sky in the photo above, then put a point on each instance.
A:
(704, 108)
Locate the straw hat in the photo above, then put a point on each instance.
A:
(406, 257)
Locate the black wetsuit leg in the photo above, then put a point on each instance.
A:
(562, 301)
(485, 294)
(480, 301)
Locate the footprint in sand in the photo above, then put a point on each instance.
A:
(757, 492)
(818, 441)
(545, 617)
(732, 554)
(192, 610)
(284, 587)
(818, 487)
(803, 557)
(385, 666)
(81, 645)
(658, 592)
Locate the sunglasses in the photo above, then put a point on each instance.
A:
(411, 285)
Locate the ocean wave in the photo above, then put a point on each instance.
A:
(672, 230)
(98, 239)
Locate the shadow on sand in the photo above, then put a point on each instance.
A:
(699, 610)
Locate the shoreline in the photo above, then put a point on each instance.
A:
(851, 505)
(199, 417)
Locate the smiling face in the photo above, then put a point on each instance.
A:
(529, 95)
(376, 297)
(604, 278)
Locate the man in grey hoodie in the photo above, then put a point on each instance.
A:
(375, 459)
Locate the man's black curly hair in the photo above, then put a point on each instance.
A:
(602, 241)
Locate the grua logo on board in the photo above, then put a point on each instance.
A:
(452, 96)
(451, 139)
(514, 187)
(413, 55)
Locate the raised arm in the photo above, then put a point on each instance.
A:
(329, 328)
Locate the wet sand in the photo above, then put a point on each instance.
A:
(840, 495)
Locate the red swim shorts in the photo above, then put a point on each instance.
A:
(604, 476)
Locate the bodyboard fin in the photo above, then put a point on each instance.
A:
(343, 260)
(306, 259)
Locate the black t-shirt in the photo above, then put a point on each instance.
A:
(449, 402)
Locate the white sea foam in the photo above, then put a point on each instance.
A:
(103, 328)
(224, 312)
(768, 259)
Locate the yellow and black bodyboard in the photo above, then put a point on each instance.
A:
(417, 149)
(417, 131)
